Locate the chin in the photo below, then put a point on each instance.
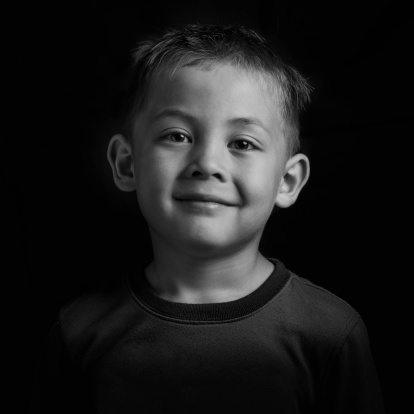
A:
(206, 249)
(206, 244)
(209, 244)
(202, 241)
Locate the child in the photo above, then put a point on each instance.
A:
(210, 146)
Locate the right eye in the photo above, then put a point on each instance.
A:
(177, 137)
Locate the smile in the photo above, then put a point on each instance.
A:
(204, 200)
(201, 207)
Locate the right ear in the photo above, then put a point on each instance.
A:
(122, 163)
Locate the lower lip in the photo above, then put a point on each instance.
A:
(201, 207)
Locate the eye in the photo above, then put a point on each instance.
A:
(242, 145)
(177, 137)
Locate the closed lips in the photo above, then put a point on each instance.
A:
(206, 198)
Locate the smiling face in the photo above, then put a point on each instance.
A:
(209, 156)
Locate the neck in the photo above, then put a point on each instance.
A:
(178, 276)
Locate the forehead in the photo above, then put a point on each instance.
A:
(216, 94)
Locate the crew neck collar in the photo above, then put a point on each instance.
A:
(142, 293)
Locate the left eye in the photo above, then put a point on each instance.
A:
(242, 144)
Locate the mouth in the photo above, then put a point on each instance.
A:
(206, 199)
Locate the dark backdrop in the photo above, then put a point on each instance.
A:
(66, 225)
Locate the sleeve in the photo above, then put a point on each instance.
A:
(58, 386)
(351, 384)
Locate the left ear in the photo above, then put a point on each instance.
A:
(296, 176)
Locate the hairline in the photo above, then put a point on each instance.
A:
(169, 68)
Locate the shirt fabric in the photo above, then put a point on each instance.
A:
(288, 347)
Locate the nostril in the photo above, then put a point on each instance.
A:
(199, 174)
(203, 171)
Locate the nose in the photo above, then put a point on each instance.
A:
(206, 160)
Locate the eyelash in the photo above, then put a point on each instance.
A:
(252, 146)
(174, 133)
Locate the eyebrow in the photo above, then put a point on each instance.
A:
(173, 112)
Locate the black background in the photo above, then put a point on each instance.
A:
(66, 225)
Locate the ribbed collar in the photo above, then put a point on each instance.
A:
(210, 312)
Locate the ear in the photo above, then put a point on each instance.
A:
(296, 176)
(122, 163)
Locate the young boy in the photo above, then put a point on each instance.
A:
(210, 325)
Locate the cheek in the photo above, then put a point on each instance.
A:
(155, 175)
(259, 185)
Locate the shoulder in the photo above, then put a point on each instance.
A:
(91, 304)
(317, 299)
(94, 316)
(315, 311)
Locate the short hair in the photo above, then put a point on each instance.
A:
(207, 45)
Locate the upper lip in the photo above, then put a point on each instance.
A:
(207, 198)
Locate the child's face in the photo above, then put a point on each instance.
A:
(209, 156)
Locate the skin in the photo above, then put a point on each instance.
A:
(208, 163)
